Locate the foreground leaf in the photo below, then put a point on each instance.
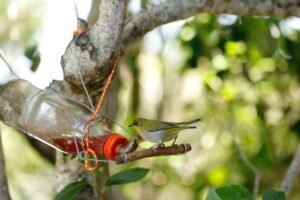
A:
(71, 191)
(234, 192)
(127, 176)
(273, 195)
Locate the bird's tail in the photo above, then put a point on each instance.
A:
(194, 121)
(188, 127)
(188, 122)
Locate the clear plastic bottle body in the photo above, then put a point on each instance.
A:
(60, 122)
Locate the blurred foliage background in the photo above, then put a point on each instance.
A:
(239, 74)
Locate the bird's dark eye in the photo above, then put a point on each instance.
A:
(138, 123)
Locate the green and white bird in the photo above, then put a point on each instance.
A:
(158, 131)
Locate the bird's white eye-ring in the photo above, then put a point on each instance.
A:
(138, 123)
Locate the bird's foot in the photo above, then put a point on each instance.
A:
(157, 146)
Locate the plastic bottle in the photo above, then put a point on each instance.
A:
(60, 121)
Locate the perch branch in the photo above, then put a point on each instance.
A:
(172, 150)
(173, 10)
(4, 193)
(292, 174)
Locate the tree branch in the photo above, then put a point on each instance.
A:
(95, 58)
(4, 193)
(292, 174)
(173, 10)
(45, 151)
(94, 12)
(108, 29)
(172, 150)
(13, 98)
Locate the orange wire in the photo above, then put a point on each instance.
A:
(90, 151)
(94, 116)
(100, 102)
(78, 31)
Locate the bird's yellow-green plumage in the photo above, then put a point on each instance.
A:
(158, 131)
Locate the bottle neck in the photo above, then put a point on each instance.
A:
(113, 145)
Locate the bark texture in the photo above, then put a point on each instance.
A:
(96, 58)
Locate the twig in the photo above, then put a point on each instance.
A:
(173, 10)
(5, 60)
(292, 174)
(172, 150)
(248, 163)
(252, 167)
(4, 193)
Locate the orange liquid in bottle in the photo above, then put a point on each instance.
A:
(106, 145)
(75, 145)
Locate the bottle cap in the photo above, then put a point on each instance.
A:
(111, 145)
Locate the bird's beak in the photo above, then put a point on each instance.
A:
(131, 125)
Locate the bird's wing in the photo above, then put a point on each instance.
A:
(163, 126)
(173, 127)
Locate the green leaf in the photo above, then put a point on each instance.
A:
(36, 59)
(234, 192)
(30, 51)
(71, 191)
(273, 195)
(32, 54)
(127, 176)
(212, 195)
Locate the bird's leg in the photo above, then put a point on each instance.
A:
(174, 140)
(160, 145)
